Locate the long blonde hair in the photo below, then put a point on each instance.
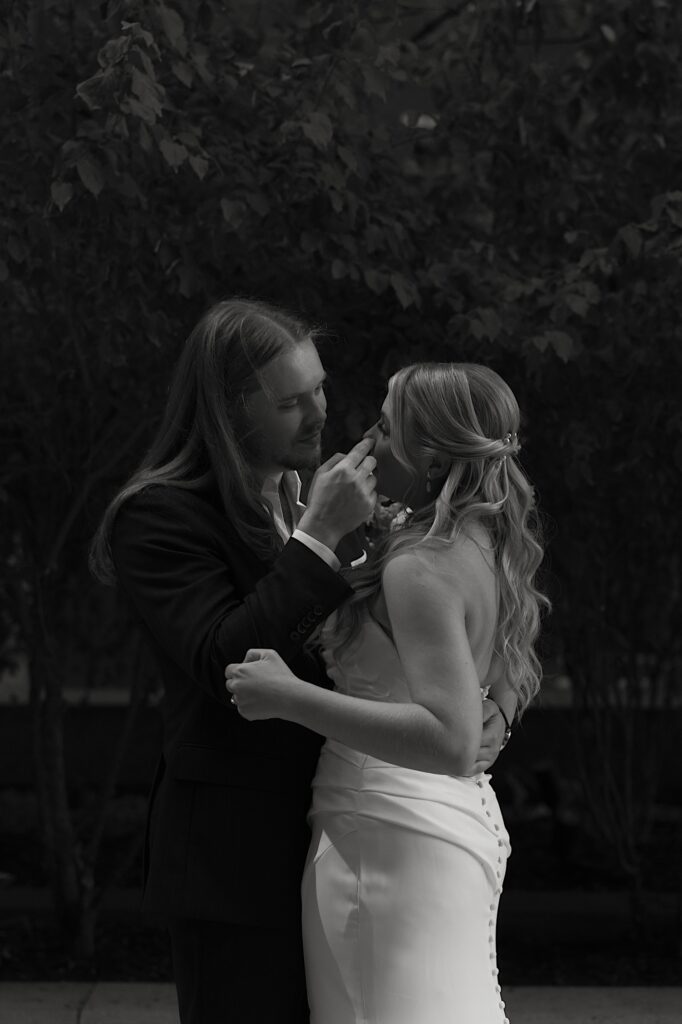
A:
(203, 435)
(469, 414)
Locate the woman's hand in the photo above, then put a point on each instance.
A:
(261, 685)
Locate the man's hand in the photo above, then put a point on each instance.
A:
(494, 728)
(342, 495)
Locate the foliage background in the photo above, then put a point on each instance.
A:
(497, 181)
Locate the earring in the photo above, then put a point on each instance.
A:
(428, 484)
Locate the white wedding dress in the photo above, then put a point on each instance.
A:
(403, 877)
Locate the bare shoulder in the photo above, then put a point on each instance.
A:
(459, 572)
(470, 552)
(423, 575)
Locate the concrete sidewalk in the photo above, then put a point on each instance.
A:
(146, 1003)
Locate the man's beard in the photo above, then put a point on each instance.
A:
(258, 453)
(310, 461)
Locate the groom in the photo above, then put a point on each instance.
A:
(214, 549)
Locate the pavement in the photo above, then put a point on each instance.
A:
(114, 1002)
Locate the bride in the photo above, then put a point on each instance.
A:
(408, 852)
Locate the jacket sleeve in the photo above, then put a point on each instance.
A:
(170, 566)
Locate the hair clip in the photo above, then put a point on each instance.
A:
(510, 440)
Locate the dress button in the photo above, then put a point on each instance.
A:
(497, 988)
(492, 906)
(293, 636)
(497, 828)
(489, 814)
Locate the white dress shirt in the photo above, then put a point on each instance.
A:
(291, 487)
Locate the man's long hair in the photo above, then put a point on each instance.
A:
(201, 438)
(469, 414)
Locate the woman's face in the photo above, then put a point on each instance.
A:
(394, 481)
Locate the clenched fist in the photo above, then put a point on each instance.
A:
(261, 684)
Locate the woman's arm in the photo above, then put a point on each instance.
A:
(439, 732)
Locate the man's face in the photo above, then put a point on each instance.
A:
(287, 415)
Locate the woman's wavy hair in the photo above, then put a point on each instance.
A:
(204, 432)
(469, 414)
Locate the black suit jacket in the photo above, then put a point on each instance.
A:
(227, 835)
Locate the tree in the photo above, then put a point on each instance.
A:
(490, 181)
